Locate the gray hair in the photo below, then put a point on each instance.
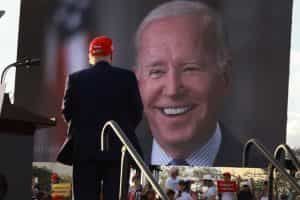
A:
(183, 7)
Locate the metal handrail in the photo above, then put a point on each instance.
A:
(277, 153)
(269, 157)
(133, 153)
(288, 151)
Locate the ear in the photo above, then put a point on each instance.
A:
(226, 78)
(227, 69)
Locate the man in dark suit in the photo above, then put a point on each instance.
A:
(183, 68)
(94, 96)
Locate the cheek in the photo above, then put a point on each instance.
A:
(149, 91)
(198, 88)
(205, 88)
(217, 90)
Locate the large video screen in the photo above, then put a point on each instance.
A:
(211, 116)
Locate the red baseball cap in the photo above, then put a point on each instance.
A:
(226, 174)
(101, 46)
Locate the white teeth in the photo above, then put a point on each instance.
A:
(175, 111)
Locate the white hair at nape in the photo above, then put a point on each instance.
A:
(184, 7)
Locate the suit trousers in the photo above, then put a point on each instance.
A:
(87, 179)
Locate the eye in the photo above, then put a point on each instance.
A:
(156, 73)
(190, 67)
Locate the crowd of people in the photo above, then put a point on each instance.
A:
(178, 188)
(209, 188)
(39, 193)
(139, 192)
(47, 192)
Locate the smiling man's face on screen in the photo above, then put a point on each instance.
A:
(179, 80)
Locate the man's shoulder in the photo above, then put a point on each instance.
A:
(117, 71)
(123, 76)
(79, 73)
(122, 71)
(230, 151)
(230, 139)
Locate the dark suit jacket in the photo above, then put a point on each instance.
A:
(94, 96)
(230, 152)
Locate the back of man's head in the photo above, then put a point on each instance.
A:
(100, 49)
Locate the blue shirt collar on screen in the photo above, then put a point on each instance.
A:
(204, 156)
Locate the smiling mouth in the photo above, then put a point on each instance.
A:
(175, 111)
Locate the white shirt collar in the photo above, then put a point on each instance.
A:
(203, 156)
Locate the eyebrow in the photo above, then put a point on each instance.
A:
(153, 64)
(194, 61)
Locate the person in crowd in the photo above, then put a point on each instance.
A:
(183, 192)
(183, 68)
(263, 195)
(170, 194)
(135, 190)
(172, 180)
(245, 192)
(189, 190)
(94, 96)
(150, 195)
(42, 195)
(35, 188)
(54, 178)
(211, 192)
(228, 195)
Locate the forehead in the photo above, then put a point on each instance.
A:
(180, 26)
(184, 35)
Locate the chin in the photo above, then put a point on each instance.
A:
(177, 138)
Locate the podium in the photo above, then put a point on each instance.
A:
(17, 127)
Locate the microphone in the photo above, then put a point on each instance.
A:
(27, 62)
(24, 62)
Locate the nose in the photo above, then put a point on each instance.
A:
(173, 86)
